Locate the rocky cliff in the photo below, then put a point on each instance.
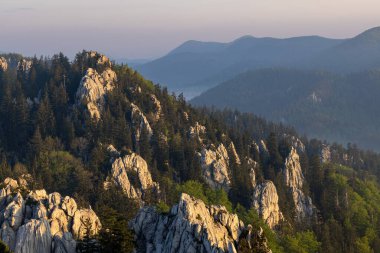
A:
(24, 65)
(34, 221)
(140, 123)
(132, 175)
(190, 227)
(215, 163)
(3, 64)
(265, 201)
(93, 88)
(294, 179)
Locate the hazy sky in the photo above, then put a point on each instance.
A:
(150, 28)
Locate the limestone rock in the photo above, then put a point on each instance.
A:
(34, 236)
(113, 151)
(294, 179)
(197, 131)
(84, 219)
(24, 66)
(215, 164)
(293, 173)
(191, 226)
(29, 225)
(157, 107)
(325, 154)
(232, 150)
(64, 243)
(93, 88)
(3, 64)
(140, 122)
(69, 206)
(265, 201)
(253, 165)
(101, 60)
(132, 164)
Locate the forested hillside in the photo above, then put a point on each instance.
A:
(116, 142)
(339, 108)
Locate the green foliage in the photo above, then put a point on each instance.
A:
(203, 192)
(4, 248)
(302, 242)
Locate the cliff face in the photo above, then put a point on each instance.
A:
(93, 88)
(190, 227)
(33, 221)
(265, 201)
(140, 123)
(129, 167)
(215, 163)
(294, 179)
(3, 64)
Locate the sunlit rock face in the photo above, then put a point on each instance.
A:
(157, 111)
(100, 60)
(34, 221)
(140, 123)
(265, 201)
(133, 165)
(24, 66)
(294, 179)
(93, 89)
(191, 226)
(215, 163)
(3, 64)
(197, 131)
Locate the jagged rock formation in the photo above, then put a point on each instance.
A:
(3, 64)
(215, 163)
(294, 179)
(265, 201)
(24, 66)
(38, 222)
(253, 165)
(296, 143)
(233, 152)
(93, 88)
(140, 123)
(197, 131)
(157, 108)
(190, 227)
(133, 165)
(325, 154)
(100, 59)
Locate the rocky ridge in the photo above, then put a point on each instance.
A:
(34, 221)
(190, 227)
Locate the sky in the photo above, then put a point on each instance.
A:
(146, 29)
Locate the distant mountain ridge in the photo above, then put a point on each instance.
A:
(195, 66)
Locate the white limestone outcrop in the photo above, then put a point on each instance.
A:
(215, 167)
(3, 64)
(190, 227)
(131, 164)
(294, 179)
(265, 201)
(93, 89)
(197, 131)
(140, 123)
(40, 222)
(157, 107)
(24, 66)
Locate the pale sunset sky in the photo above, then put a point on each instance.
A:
(151, 28)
